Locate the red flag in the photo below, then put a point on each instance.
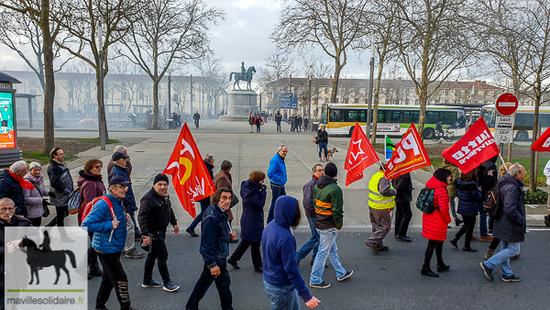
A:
(360, 155)
(190, 177)
(543, 142)
(475, 147)
(409, 155)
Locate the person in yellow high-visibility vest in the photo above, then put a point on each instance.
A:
(381, 201)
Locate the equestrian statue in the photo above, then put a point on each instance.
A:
(243, 76)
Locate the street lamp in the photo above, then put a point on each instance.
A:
(102, 120)
(371, 81)
(169, 93)
(309, 84)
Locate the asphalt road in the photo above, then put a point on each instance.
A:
(389, 280)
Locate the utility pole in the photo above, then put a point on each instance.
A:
(371, 82)
(169, 93)
(102, 120)
(309, 100)
(191, 112)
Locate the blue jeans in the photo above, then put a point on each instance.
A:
(311, 244)
(278, 126)
(502, 258)
(483, 224)
(276, 192)
(323, 146)
(198, 218)
(282, 297)
(327, 247)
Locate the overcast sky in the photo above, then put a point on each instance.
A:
(242, 36)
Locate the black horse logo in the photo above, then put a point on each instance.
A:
(45, 257)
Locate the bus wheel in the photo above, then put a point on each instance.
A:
(429, 133)
(522, 135)
(351, 131)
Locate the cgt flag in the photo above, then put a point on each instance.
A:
(409, 155)
(543, 142)
(190, 177)
(475, 147)
(360, 155)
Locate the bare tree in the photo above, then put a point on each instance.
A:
(382, 20)
(216, 82)
(82, 25)
(318, 70)
(40, 12)
(168, 31)
(537, 65)
(128, 86)
(334, 25)
(279, 66)
(434, 41)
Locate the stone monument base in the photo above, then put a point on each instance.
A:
(239, 105)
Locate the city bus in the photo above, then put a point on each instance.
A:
(392, 119)
(524, 118)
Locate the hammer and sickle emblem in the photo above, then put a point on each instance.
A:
(188, 167)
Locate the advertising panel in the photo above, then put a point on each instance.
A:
(7, 133)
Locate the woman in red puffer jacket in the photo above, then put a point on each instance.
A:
(434, 225)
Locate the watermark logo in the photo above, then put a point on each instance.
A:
(44, 272)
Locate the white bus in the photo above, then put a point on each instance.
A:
(392, 119)
(524, 118)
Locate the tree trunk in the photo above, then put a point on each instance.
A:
(100, 103)
(155, 124)
(533, 170)
(337, 69)
(49, 95)
(422, 100)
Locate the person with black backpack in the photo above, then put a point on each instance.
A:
(434, 224)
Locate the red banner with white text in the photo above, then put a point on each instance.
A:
(543, 142)
(410, 154)
(475, 147)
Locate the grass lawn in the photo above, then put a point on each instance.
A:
(32, 147)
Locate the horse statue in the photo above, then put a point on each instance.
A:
(239, 77)
(41, 258)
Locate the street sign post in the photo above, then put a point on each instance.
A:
(507, 104)
(504, 129)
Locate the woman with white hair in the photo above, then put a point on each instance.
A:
(34, 198)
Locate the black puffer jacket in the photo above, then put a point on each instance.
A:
(155, 213)
(404, 187)
(323, 136)
(10, 188)
(511, 227)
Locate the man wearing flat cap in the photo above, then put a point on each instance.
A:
(155, 213)
(109, 227)
(129, 202)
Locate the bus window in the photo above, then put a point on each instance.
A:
(324, 115)
(357, 116)
(381, 116)
(432, 117)
(408, 117)
(337, 115)
(524, 119)
(544, 120)
(489, 117)
(396, 116)
(448, 118)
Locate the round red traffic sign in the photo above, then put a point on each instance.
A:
(507, 104)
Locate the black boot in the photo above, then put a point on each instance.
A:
(427, 271)
(454, 242)
(442, 267)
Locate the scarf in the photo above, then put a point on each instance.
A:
(22, 182)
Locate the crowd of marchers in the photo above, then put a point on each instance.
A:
(109, 215)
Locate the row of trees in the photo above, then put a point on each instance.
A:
(152, 34)
(433, 40)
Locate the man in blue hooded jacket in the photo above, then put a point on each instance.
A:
(109, 239)
(277, 178)
(282, 280)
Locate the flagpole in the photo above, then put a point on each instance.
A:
(433, 170)
(504, 163)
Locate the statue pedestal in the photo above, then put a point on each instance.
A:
(240, 104)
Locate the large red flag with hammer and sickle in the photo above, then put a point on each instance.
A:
(190, 177)
(360, 155)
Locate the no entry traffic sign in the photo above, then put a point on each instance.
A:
(507, 104)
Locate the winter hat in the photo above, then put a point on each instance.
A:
(119, 155)
(160, 177)
(331, 170)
